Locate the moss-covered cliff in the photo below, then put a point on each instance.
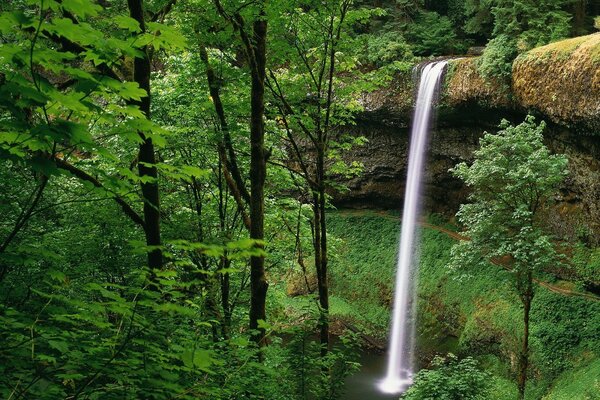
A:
(562, 81)
(464, 84)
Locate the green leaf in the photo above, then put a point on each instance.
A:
(199, 358)
(128, 23)
(59, 345)
(57, 275)
(127, 90)
(83, 8)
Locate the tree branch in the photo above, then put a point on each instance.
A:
(162, 13)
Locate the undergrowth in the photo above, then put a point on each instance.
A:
(475, 314)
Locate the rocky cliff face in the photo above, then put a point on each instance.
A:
(469, 106)
(385, 158)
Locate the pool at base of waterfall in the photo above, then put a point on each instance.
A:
(365, 384)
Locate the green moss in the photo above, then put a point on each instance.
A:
(561, 80)
(560, 50)
(564, 49)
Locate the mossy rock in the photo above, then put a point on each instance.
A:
(562, 81)
(464, 84)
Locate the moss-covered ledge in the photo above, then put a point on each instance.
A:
(464, 84)
(562, 81)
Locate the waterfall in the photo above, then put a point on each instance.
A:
(400, 356)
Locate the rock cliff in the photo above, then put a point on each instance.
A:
(559, 83)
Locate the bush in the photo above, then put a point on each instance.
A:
(586, 265)
(498, 57)
(387, 48)
(450, 379)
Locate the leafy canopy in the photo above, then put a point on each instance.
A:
(513, 177)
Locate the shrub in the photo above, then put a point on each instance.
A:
(498, 57)
(387, 48)
(450, 379)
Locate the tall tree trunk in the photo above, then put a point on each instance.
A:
(320, 247)
(526, 298)
(146, 156)
(258, 171)
(224, 262)
(255, 45)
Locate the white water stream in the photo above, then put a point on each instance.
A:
(401, 349)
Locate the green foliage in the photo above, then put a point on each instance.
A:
(586, 265)
(111, 342)
(512, 178)
(583, 383)
(450, 379)
(479, 19)
(387, 48)
(432, 34)
(498, 57)
(517, 26)
(363, 261)
(80, 314)
(556, 337)
(531, 23)
(319, 377)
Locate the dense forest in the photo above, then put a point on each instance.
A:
(174, 213)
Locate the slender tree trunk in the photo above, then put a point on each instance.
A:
(320, 247)
(255, 45)
(258, 171)
(526, 298)
(209, 283)
(146, 157)
(225, 262)
(225, 302)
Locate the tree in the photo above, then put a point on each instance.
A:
(146, 155)
(517, 26)
(512, 180)
(254, 43)
(313, 83)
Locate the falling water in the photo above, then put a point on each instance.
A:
(400, 356)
